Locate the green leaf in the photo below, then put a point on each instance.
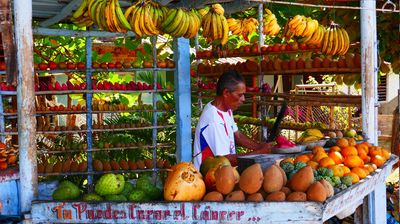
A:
(107, 57)
(148, 49)
(95, 56)
(132, 45)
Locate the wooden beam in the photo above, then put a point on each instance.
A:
(164, 2)
(78, 33)
(26, 105)
(7, 34)
(67, 10)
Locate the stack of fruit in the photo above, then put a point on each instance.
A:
(242, 27)
(300, 26)
(335, 41)
(8, 156)
(342, 161)
(223, 182)
(270, 24)
(310, 135)
(214, 24)
(112, 187)
(106, 14)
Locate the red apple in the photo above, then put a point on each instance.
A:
(118, 65)
(288, 47)
(276, 47)
(71, 65)
(2, 65)
(62, 65)
(126, 64)
(303, 46)
(43, 66)
(103, 65)
(52, 65)
(111, 65)
(81, 65)
(95, 65)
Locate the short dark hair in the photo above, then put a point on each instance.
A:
(229, 80)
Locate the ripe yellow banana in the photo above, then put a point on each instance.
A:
(346, 41)
(325, 40)
(225, 30)
(218, 9)
(293, 23)
(330, 40)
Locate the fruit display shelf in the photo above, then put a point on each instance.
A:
(133, 147)
(66, 92)
(7, 133)
(217, 55)
(102, 70)
(334, 70)
(101, 172)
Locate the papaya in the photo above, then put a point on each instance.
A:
(224, 179)
(276, 196)
(297, 196)
(273, 179)
(316, 192)
(286, 190)
(251, 179)
(255, 197)
(328, 188)
(213, 196)
(302, 179)
(235, 196)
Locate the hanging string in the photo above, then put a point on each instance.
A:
(329, 6)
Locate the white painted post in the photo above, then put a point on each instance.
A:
(376, 199)
(26, 104)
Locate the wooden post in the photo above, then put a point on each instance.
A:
(183, 100)
(369, 101)
(7, 36)
(26, 104)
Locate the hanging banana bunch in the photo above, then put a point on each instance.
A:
(215, 25)
(300, 26)
(242, 27)
(145, 17)
(81, 16)
(182, 23)
(108, 15)
(335, 41)
(270, 24)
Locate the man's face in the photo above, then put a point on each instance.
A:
(234, 99)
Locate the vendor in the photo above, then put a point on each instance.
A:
(217, 133)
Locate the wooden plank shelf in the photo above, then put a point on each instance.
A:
(211, 212)
(293, 72)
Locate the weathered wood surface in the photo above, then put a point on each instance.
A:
(210, 212)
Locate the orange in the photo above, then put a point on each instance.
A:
(302, 158)
(386, 154)
(361, 152)
(310, 155)
(361, 173)
(317, 149)
(374, 151)
(352, 142)
(337, 170)
(326, 161)
(335, 148)
(362, 146)
(317, 157)
(353, 161)
(345, 169)
(289, 159)
(349, 151)
(367, 144)
(367, 159)
(313, 164)
(378, 160)
(342, 142)
(336, 156)
(354, 176)
(371, 167)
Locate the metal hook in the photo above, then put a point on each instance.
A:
(388, 3)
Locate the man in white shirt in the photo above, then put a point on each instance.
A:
(216, 133)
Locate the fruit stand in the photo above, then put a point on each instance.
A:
(101, 201)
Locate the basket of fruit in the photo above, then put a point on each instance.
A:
(311, 138)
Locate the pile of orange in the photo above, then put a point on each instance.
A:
(347, 158)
